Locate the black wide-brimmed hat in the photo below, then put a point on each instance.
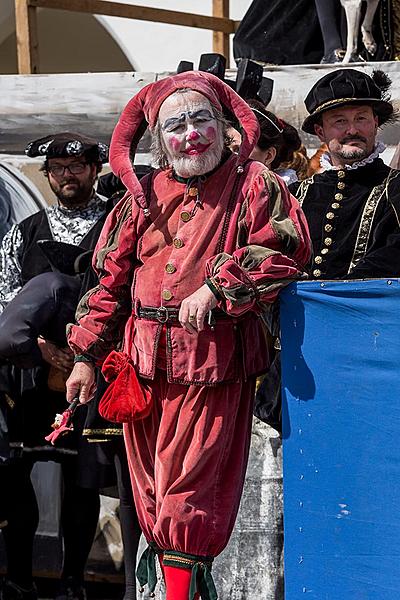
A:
(349, 86)
(66, 145)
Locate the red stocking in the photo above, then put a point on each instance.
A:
(177, 582)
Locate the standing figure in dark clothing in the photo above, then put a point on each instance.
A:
(353, 207)
(355, 31)
(72, 163)
(280, 33)
(312, 31)
(332, 23)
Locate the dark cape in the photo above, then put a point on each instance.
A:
(280, 33)
(288, 33)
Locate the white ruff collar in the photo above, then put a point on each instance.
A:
(325, 160)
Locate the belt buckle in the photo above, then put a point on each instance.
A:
(162, 314)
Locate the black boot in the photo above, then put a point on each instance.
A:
(12, 591)
(336, 56)
(71, 589)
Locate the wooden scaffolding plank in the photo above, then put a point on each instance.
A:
(27, 38)
(142, 13)
(221, 38)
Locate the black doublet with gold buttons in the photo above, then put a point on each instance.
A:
(354, 217)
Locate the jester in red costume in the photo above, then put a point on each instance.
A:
(187, 262)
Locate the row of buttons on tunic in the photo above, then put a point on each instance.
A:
(178, 243)
(328, 227)
(169, 267)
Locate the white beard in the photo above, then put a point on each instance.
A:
(192, 166)
(195, 165)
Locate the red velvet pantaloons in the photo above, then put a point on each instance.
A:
(188, 461)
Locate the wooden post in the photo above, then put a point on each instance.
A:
(221, 39)
(27, 39)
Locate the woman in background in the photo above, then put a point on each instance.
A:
(277, 143)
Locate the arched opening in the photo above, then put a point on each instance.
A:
(68, 43)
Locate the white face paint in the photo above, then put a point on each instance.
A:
(191, 136)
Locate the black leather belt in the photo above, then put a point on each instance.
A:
(162, 314)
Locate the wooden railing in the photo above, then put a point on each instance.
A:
(27, 34)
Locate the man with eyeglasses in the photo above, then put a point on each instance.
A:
(71, 166)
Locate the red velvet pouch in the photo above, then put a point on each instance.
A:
(125, 399)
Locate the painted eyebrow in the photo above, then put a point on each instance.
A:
(203, 112)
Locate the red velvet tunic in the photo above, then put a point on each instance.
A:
(249, 238)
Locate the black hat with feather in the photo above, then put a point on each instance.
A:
(349, 87)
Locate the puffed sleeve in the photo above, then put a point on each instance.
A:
(103, 311)
(274, 248)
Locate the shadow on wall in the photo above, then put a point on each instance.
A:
(68, 43)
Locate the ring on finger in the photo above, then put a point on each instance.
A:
(192, 317)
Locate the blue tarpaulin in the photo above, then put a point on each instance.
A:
(341, 430)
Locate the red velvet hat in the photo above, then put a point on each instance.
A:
(143, 109)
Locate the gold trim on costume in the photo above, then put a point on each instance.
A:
(392, 175)
(105, 431)
(342, 101)
(389, 38)
(303, 189)
(9, 401)
(364, 230)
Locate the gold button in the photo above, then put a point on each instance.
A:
(318, 260)
(341, 185)
(328, 241)
(185, 216)
(330, 216)
(167, 295)
(317, 273)
(341, 174)
(178, 243)
(335, 205)
(324, 250)
(170, 268)
(328, 227)
(193, 191)
(338, 196)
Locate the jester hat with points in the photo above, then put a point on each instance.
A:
(142, 110)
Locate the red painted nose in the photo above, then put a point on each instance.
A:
(193, 136)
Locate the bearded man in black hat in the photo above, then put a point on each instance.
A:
(72, 163)
(353, 207)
